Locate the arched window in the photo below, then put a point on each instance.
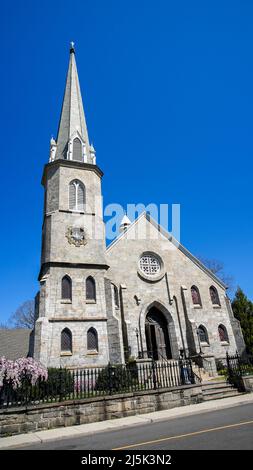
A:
(66, 288)
(116, 296)
(66, 340)
(90, 288)
(202, 334)
(195, 295)
(92, 340)
(76, 196)
(77, 150)
(223, 334)
(214, 295)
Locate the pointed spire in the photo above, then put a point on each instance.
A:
(72, 121)
(125, 223)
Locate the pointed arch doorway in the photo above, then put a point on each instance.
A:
(157, 335)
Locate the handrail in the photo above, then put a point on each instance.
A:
(197, 378)
(193, 358)
(164, 358)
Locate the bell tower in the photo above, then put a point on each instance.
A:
(71, 325)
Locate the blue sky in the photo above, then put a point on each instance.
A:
(168, 96)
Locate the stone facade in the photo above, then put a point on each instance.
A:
(61, 258)
(133, 313)
(171, 293)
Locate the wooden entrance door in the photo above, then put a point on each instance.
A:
(157, 337)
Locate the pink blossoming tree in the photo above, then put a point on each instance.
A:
(15, 372)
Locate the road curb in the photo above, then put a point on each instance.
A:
(115, 424)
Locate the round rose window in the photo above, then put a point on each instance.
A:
(150, 265)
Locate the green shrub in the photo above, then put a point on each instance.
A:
(219, 365)
(117, 378)
(60, 384)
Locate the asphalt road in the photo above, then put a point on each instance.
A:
(227, 429)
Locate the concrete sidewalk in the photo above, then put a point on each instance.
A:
(92, 428)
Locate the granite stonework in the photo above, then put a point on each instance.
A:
(70, 413)
(124, 295)
(247, 383)
(60, 258)
(171, 293)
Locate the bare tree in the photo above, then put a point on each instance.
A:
(24, 316)
(4, 326)
(217, 267)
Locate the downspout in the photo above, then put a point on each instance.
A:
(141, 342)
(180, 325)
(123, 325)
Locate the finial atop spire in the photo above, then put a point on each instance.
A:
(72, 47)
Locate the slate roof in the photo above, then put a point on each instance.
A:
(14, 343)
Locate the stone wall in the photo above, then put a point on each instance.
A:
(69, 413)
(248, 383)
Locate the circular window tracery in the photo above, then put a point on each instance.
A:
(150, 265)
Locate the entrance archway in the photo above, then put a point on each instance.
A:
(157, 336)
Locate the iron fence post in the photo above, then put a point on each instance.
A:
(154, 373)
(110, 378)
(239, 363)
(230, 371)
(60, 387)
(192, 377)
(181, 370)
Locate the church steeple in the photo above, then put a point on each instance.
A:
(72, 140)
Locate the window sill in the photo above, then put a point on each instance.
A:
(66, 353)
(66, 301)
(92, 353)
(75, 212)
(90, 301)
(204, 344)
(216, 306)
(224, 343)
(72, 211)
(197, 306)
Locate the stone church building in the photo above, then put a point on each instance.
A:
(142, 296)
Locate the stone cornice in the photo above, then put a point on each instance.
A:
(60, 264)
(77, 319)
(71, 164)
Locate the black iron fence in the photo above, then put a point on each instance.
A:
(65, 384)
(238, 367)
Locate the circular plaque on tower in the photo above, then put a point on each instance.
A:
(76, 236)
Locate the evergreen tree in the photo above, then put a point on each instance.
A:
(243, 311)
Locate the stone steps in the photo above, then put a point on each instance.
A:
(217, 390)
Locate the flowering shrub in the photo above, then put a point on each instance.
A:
(13, 373)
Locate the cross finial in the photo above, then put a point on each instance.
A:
(72, 48)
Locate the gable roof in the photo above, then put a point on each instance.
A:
(172, 239)
(14, 343)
